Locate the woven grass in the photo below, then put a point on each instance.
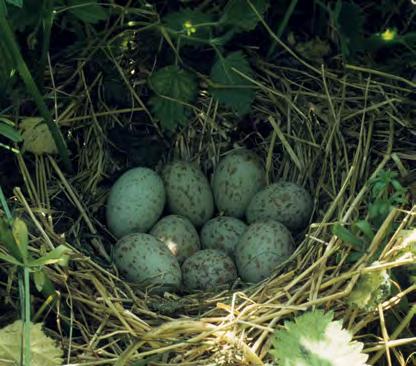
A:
(327, 130)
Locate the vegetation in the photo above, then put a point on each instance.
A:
(322, 91)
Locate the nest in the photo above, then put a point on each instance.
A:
(332, 132)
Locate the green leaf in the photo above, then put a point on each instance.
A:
(88, 11)
(371, 289)
(378, 211)
(230, 88)
(7, 239)
(7, 71)
(222, 39)
(18, 3)
(378, 188)
(175, 89)
(365, 227)
(28, 17)
(399, 198)
(239, 13)
(43, 349)
(10, 132)
(381, 183)
(21, 237)
(190, 23)
(397, 185)
(350, 21)
(347, 236)
(314, 339)
(39, 278)
(59, 255)
(37, 137)
(353, 257)
(9, 259)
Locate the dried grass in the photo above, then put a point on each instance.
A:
(331, 132)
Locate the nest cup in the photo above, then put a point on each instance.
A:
(331, 141)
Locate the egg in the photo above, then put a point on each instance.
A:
(188, 192)
(147, 262)
(208, 269)
(222, 233)
(237, 178)
(263, 247)
(286, 202)
(135, 202)
(178, 234)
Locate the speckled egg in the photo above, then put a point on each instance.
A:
(178, 233)
(261, 249)
(208, 269)
(188, 192)
(237, 178)
(147, 262)
(135, 202)
(222, 233)
(286, 202)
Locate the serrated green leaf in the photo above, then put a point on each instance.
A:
(239, 13)
(175, 89)
(314, 339)
(190, 23)
(44, 350)
(408, 238)
(222, 39)
(88, 11)
(174, 82)
(347, 236)
(18, 3)
(37, 137)
(170, 113)
(371, 289)
(230, 88)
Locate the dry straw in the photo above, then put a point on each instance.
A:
(330, 132)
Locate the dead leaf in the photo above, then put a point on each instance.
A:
(37, 138)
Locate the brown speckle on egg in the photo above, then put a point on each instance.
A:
(147, 262)
(262, 248)
(286, 202)
(207, 270)
(189, 193)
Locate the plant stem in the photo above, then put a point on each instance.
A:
(22, 314)
(5, 206)
(46, 37)
(27, 322)
(9, 40)
(283, 25)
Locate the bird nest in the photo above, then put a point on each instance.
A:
(332, 132)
